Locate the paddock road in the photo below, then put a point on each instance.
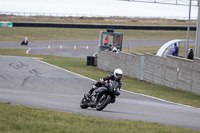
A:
(28, 81)
(68, 46)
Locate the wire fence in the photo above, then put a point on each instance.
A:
(26, 14)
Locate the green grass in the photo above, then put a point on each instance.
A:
(142, 50)
(52, 34)
(78, 65)
(23, 119)
(22, 52)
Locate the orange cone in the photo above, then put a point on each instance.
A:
(87, 47)
(60, 47)
(74, 47)
(48, 47)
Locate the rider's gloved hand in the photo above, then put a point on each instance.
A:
(94, 87)
(102, 81)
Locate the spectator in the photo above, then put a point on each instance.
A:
(110, 47)
(175, 50)
(114, 49)
(190, 55)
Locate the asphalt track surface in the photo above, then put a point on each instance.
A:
(28, 81)
(68, 47)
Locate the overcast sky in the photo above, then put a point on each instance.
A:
(97, 7)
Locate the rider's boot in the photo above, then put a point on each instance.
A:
(113, 100)
(91, 90)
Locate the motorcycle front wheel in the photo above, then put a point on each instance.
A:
(103, 101)
(84, 103)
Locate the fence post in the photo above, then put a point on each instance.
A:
(142, 68)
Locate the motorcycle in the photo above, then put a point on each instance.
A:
(102, 96)
(24, 42)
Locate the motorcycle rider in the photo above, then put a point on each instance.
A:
(117, 75)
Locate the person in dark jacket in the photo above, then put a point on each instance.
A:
(110, 48)
(190, 55)
(117, 75)
(175, 50)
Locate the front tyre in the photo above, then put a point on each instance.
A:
(84, 103)
(103, 101)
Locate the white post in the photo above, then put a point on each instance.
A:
(188, 29)
(197, 41)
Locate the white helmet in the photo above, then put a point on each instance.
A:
(118, 73)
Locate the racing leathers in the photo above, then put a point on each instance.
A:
(102, 81)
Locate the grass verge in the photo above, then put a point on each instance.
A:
(78, 65)
(52, 34)
(23, 119)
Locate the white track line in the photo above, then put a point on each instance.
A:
(28, 50)
(67, 71)
(121, 89)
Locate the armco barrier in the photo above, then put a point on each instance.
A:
(98, 26)
(174, 72)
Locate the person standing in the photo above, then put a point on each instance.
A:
(175, 50)
(106, 41)
(190, 54)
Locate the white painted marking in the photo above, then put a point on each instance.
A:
(68, 71)
(160, 99)
(28, 50)
(121, 89)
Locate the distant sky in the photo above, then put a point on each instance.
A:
(97, 7)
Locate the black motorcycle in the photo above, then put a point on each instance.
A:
(24, 42)
(102, 96)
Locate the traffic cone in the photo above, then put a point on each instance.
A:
(87, 47)
(48, 47)
(74, 47)
(60, 47)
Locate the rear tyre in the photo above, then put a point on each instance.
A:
(103, 101)
(84, 103)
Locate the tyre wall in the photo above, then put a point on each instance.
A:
(101, 26)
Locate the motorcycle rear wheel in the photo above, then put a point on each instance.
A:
(84, 103)
(103, 101)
